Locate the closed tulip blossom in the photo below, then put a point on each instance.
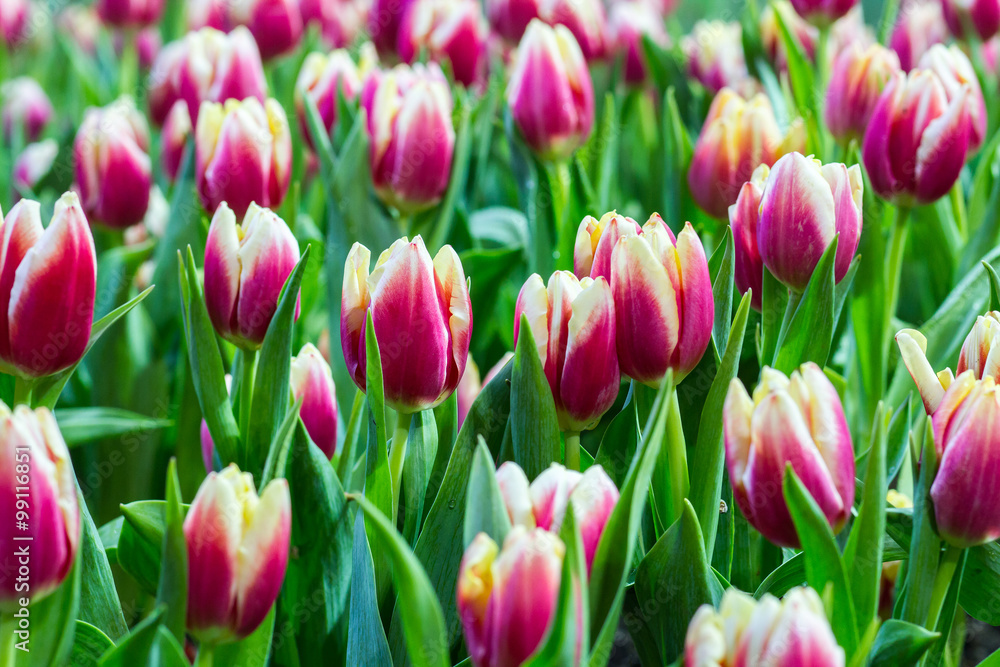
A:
(32, 165)
(629, 22)
(276, 25)
(803, 206)
(595, 241)
(822, 13)
(573, 324)
(243, 154)
(920, 25)
(550, 94)
(422, 316)
(745, 632)
(173, 139)
(446, 30)
(312, 381)
(507, 598)
(36, 475)
(412, 140)
(237, 549)
(339, 21)
(663, 302)
(26, 107)
(744, 217)
(714, 52)
(14, 22)
(956, 73)
(246, 266)
(543, 503)
(322, 79)
(510, 18)
(48, 282)
(130, 13)
(858, 78)
(972, 18)
(584, 18)
(795, 420)
(981, 350)
(384, 21)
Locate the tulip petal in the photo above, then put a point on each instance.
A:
(697, 304)
(267, 255)
(262, 557)
(456, 307)
(21, 230)
(353, 311)
(222, 270)
(516, 494)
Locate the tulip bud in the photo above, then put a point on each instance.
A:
(596, 239)
(384, 21)
(797, 421)
(79, 23)
(14, 22)
(237, 547)
(771, 37)
(804, 205)
(931, 386)
(822, 13)
(412, 138)
(339, 21)
(446, 30)
(206, 65)
(245, 268)
(630, 21)
(507, 602)
(972, 18)
(173, 139)
(663, 300)
(859, 76)
(919, 26)
(36, 473)
(47, 286)
(584, 18)
(33, 164)
(966, 437)
(468, 389)
(130, 13)
(510, 18)
(26, 106)
(747, 632)
(744, 217)
(573, 324)
(981, 350)
(917, 157)
(550, 93)
(714, 52)
(543, 503)
(276, 25)
(422, 317)
(312, 381)
(113, 169)
(322, 79)
(959, 79)
(243, 154)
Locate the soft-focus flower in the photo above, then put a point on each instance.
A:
(243, 154)
(804, 205)
(130, 13)
(798, 421)
(550, 94)
(37, 482)
(446, 30)
(967, 440)
(573, 324)
(206, 65)
(628, 22)
(510, 18)
(246, 266)
(33, 164)
(48, 280)
(112, 165)
(322, 79)
(858, 78)
(918, 138)
(981, 350)
(738, 135)
(543, 503)
(744, 216)
(959, 79)
(772, 40)
(847, 31)
(930, 385)
(822, 13)
(972, 18)
(919, 26)
(663, 301)
(276, 25)
(26, 106)
(81, 25)
(411, 135)
(173, 139)
(422, 317)
(312, 381)
(207, 14)
(468, 389)
(237, 548)
(14, 21)
(384, 21)
(584, 18)
(506, 602)
(746, 633)
(714, 52)
(596, 240)
(340, 21)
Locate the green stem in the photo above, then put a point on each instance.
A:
(246, 391)
(22, 390)
(206, 656)
(128, 69)
(942, 582)
(7, 626)
(957, 198)
(560, 179)
(677, 454)
(897, 245)
(397, 456)
(573, 451)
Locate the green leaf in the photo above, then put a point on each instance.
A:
(89, 644)
(490, 269)
(136, 647)
(53, 620)
(172, 593)
(446, 418)
(423, 620)
(671, 483)
(620, 441)
(773, 303)
(278, 453)
(722, 266)
(99, 604)
(994, 302)
(499, 227)
(421, 451)
(900, 644)
(366, 642)
(82, 425)
(926, 548)
(800, 76)
(485, 511)
(252, 651)
(346, 458)
(534, 425)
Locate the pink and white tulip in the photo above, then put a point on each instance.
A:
(312, 381)
(173, 139)
(32, 165)
(584, 18)
(446, 30)
(322, 79)
(981, 350)
(798, 421)
(48, 280)
(956, 73)
(130, 13)
(25, 106)
(919, 26)
(744, 217)
(384, 21)
(663, 302)
(979, 19)
(510, 18)
(237, 546)
(822, 13)
(422, 316)
(596, 240)
(629, 22)
(340, 21)
(15, 17)
(858, 78)
(930, 385)
(714, 52)
(276, 25)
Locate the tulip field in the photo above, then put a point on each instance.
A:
(487, 333)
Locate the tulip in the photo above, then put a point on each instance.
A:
(772, 39)
(446, 30)
(747, 632)
(510, 18)
(25, 107)
(596, 239)
(550, 93)
(972, 18)
(966, 438)
(384, 22)
(920, 26)
(663, 299)
(931, 386)
(847, 31)
(323, 78)
(130, 13)
(981, 350)
(245, 268)
(412, 138)
(206, 65)
(714, 52)
(312, 381)
(276, 25)
(573, 324)
(173, 139)
(237, 549)
(422, 317)
(629, 22)
(113, 169)
(959, 79)
(339, 21)
(243, 154)
(208, 14)
(14, 21)
(506, 602)
(584, 18)
(47, 286)
(543, 503)
(804, 205)
(737, 136)
(468, 389)
(37, 484)
(33, 164)
(915, 157)
(822, 13)
(798, 421)
(858, 78)
(744, 217)
(80, 24)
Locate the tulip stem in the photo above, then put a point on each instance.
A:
(206, 656)
(7, 627)
(958, 211)
(897, 245)
(22, 391)
(397, 456)
(246, 391)
(942, 582)
(573, 451)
